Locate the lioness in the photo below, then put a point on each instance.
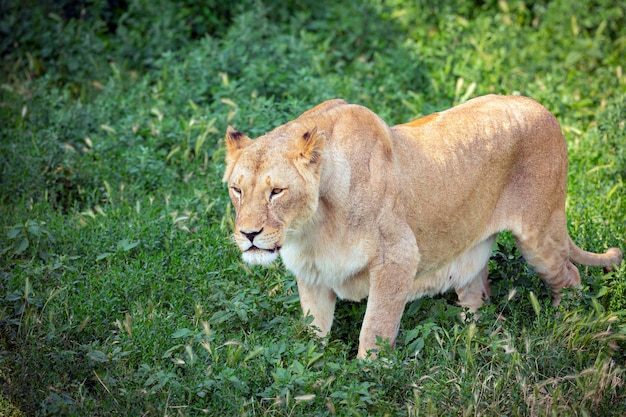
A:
(358, 209)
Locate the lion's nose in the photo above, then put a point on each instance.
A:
(251, 235)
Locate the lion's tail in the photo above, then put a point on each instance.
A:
(609, 259)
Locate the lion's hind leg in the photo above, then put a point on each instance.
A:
(547, 250)
(473, 288)
(472, 295)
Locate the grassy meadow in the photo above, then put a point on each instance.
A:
(121, 292)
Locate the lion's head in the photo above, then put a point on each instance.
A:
(273, 183)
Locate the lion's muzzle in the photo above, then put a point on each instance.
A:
(257, 248)
(257, 256)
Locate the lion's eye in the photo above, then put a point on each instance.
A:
(236, 190)
(276, 192)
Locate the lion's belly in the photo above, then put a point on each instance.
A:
(456, 274)
(344, 270)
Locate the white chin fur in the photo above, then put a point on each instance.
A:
(259, 257)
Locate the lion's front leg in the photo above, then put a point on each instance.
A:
(319, 302)
(382, 320)
(390, 284)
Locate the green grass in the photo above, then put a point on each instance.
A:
(120, 290)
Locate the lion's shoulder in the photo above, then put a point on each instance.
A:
(323, 108)
(348, 127)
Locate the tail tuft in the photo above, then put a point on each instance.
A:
(616, 256)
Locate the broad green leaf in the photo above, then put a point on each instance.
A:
(14, 231)
(97, 356)
(125, 245)
(103, 256)
(21, 246)
(182, 333)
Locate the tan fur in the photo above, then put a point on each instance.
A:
(359, 209)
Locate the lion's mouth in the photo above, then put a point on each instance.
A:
(259, 256)
(257, 249)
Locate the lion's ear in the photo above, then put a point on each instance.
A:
(235, 142)
(311, 145)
